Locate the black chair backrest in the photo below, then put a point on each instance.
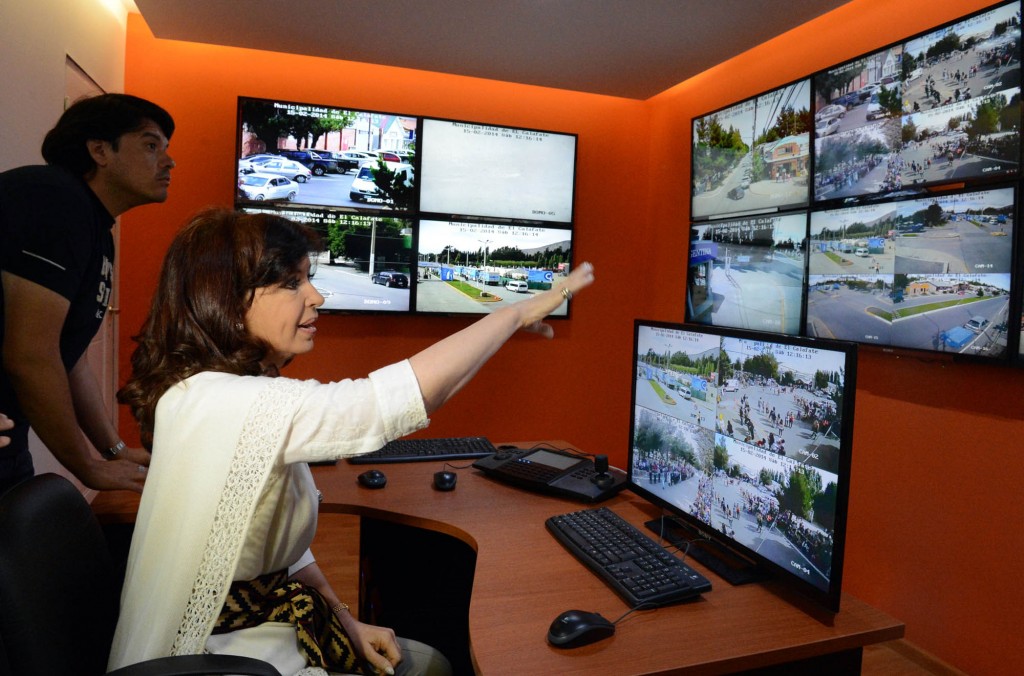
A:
(59, 589)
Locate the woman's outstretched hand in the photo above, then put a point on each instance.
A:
(543, 304)
(446, 366)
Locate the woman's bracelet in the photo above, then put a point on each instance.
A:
(340, 606)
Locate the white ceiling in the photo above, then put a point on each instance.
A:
(628, 48)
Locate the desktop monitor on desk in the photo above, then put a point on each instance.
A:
(745, 438)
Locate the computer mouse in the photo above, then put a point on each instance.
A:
(445, 481)
(574, 628)
(373, 478)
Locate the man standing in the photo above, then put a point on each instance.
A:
(106, 155)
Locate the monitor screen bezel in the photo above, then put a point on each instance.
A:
(828, 598)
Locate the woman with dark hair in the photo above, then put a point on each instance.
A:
(220, 560)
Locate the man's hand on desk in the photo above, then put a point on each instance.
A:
(126, 471)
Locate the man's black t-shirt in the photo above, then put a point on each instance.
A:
(55, 232)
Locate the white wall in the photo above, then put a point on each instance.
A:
(36, 37)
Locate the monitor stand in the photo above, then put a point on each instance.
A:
(727, 564)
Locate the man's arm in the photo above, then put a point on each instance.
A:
(92, 414)
(33, 317)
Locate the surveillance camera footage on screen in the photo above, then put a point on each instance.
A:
(752, 157)
(930, 273)
(747, 439)
(912, 165)
(417, 215)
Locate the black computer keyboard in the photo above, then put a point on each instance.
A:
(639, 569)
(416, 450)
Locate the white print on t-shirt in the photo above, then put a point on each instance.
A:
(103, 297)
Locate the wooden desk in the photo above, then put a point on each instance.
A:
(524, 578)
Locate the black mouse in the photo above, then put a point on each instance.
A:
(373, 478)
(574, 628)
(445, 481)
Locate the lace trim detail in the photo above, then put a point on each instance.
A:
(257, 448)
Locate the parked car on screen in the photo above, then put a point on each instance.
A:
(875, 109)
(976, 324)
(252, 163)
(826, 127)
(867, 92)
(363, 187)
(287, 168)
(517, 285)
(847, 100)
(390, 278)
(390, 157)
(862, 252)
(350, 159)
(261, 187)
(829, 111)
(318, 162)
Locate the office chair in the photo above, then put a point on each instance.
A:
(60, 592)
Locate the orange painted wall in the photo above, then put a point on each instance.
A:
(533, 389)
(933, 535)
(937, 467)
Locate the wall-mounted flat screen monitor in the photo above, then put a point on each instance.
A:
(745, 439)
(753, 157)
(495, 227)
(490, 171)
(474, 267)
(940, 108)
(324, 156)
(366, 263)
(748, 273)
(929, 273)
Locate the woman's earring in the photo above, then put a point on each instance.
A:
(240, 326)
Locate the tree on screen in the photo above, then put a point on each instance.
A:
(836, 83)
(716, 151)
(269, 122)
(309, 130)
(397, 187)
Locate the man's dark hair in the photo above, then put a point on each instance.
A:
(104, 117)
